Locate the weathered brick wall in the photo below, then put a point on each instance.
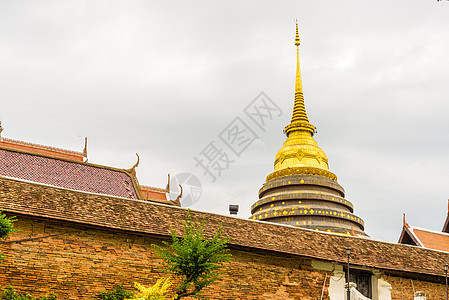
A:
(404, 288)
(155, 219)
(82, 261)
(106, 241)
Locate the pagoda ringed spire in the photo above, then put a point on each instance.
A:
(302, 191)
(299, 120)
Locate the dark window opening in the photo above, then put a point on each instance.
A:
(362, 280)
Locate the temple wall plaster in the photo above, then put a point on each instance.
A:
(381, 289)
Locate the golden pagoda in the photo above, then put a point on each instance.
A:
(302, 191)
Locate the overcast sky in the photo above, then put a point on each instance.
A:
(165, 78)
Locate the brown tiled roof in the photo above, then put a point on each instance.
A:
(156, 219)
(41, 149)
(427, 238)
(67, 174)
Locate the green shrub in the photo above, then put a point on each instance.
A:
(118, 293)
(194, 258)
(6, 226)
(10, 294)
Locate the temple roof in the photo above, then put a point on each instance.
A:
(7, 143)
(11, 144)
(425, 238)
(70, 174)
(142, 217)
(412, 235)
(67, 169)
(154, 194)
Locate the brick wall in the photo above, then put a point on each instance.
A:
(101, 241)
(80, 262)
(142, 217)
(404, 288)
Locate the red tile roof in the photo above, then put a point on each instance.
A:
(41, 149)
(69, 174)
(153, 193)
(142, 217)
(433, 240)
(426, 238)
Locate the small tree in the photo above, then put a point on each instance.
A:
(6, 227)
(194, 258)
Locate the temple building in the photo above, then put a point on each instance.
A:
(70, 170)
(302, 191)
(83, 228)
(426, 238)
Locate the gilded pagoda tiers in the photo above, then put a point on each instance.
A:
(302, 191)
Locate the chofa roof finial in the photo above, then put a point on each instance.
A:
(177, 201)
(85, 147)
(133, 168)
(167, 187)
(404, 223)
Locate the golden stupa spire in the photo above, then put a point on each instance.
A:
(300, 153)
(299, 121)
(302, 191)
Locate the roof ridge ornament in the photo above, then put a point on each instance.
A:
(133, 168)
(177, 201)
(85, 147)
(404, 223)
(167, 187)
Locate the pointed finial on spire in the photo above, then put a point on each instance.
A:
(299, 121)
(297, 34)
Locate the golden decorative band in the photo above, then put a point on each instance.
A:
(300, 126)
(299, 155)
(302, 171)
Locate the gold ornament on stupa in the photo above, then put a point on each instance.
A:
(302, 191)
